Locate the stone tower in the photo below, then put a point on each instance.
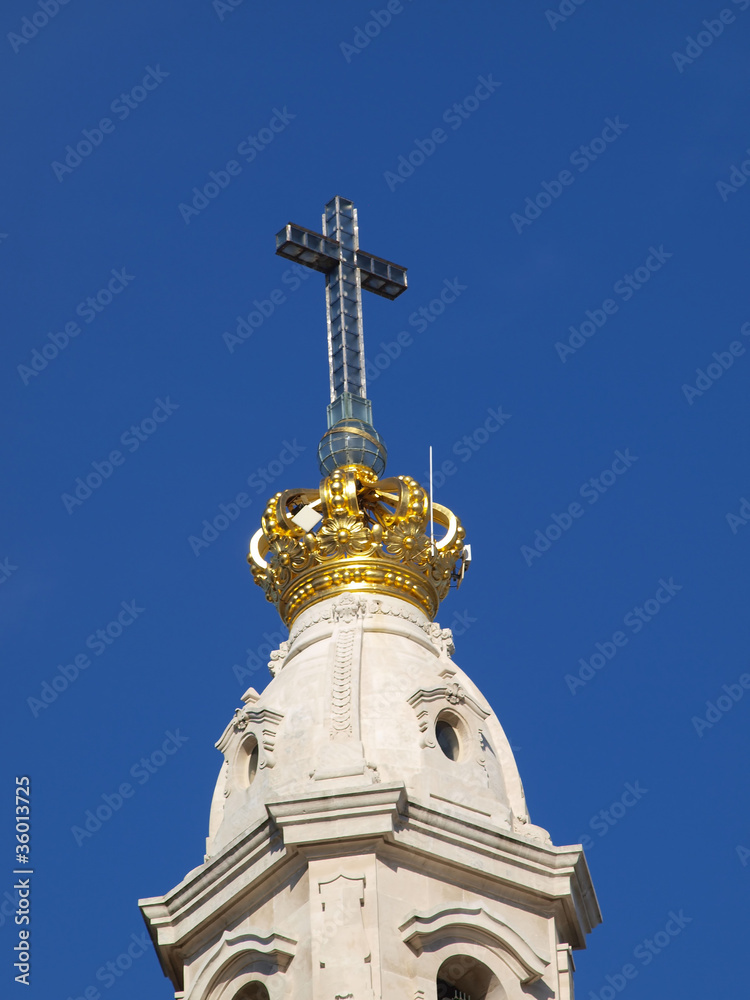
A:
(368, 835)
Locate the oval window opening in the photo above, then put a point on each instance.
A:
(447, 738)
(252, 762)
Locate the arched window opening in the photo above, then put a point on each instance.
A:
(446, 991)
(253, 991)
(464, 978)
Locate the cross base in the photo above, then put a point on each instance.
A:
(346, 406)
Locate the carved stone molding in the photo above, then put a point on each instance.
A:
(342, 951)
(478, 925)
(341, 685)
(278, 658)
(429, 702)
(351, 607)
(241, 952)
(263, 724)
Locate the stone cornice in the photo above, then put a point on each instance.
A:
(363, 812)
(332, 822)
(188, 910)
(527, 866)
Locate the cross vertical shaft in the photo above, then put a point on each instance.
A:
(351, 438)
(348, 270)
(346, 347)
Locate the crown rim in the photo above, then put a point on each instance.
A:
(373, 539)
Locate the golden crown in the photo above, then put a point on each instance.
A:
(375, 537)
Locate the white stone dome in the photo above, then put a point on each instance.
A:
(365, 692)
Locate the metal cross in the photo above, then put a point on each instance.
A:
(348, 270)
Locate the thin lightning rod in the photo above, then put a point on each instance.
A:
(432, 523)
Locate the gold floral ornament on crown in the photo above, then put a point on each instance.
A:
(374, 538)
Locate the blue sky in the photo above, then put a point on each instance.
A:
(577, 180)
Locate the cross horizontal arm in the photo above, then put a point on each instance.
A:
(324, 254)
(309, 248)
(381, 276)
